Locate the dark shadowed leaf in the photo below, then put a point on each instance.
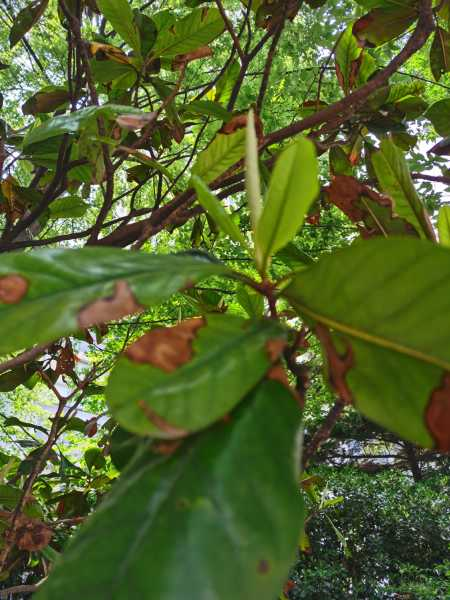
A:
(157, 535)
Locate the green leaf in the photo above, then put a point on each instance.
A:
(157, 536)
(395, 180)
(214, 208)
(74, 122)
(69, 207)
(384, 24)
(208, 108)
(197, 29)
(251, 301)
(293, 187)
(380, 311)
(443, 225)
(347, 53)
(18, 376)
(216, 360)
(121, 17)
(94, 459)
(223, 152)
(440, 53)
(25, 20)
(56, 290)
(15, 422)
(439, 115)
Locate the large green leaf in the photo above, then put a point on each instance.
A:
(47, 294)
(381, 311)
(197, 29)
(120, 15)
(395, 180)
(294, 185)
(25, 20)
(213, 363)
(220, 155)
(218, 520)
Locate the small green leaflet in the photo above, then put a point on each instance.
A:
(223, 152)
(294, 185)
(214, 208)
(395, 180)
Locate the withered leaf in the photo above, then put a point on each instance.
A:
(132, 122)
(181, 60)
(31, 534)
(121, 304)
(438, 415)
(166, 348)
(12, 288)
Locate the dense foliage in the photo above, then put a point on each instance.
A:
(224, 283)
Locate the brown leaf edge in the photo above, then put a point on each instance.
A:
(338, 365)
(437, 416)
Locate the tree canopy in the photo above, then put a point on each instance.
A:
(224, 291)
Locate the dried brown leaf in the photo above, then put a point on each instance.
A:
(181, 60)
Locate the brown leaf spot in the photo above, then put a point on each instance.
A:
(263, 566)
(166, 348)
(437, 415)
(171, 431)
(12, 288)
(338, 366)
(119, 305)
